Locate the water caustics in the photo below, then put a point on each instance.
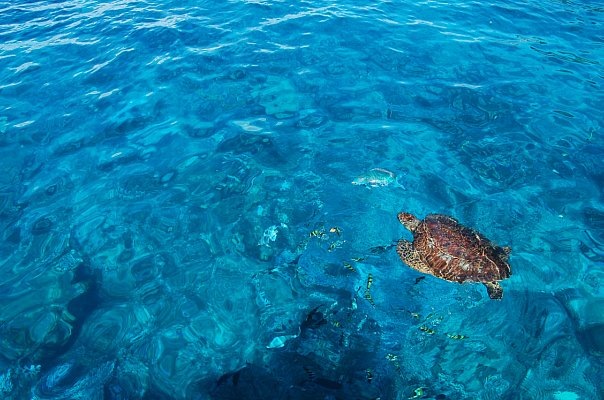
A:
(198, 200)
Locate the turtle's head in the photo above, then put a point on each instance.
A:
(408, 220)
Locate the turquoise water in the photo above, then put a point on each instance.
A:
(179, 220)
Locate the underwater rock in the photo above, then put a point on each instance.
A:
(251, 381)
(314, 319)
(592, 338)
(137, 185)
(311, 120)
(129, 123)
(262, 148)
(279, 97)
(130, 380)
(37, 310)
(42, 225)
(269, 235)
(13, 236)
(201, 129)
(236, 74)
(589, 320)
(16, 382)
(69, 147)
(71, 381)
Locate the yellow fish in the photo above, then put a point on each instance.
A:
(456, 336)
(336, 230)
(369, 281)
(429, 331)
(319, 233)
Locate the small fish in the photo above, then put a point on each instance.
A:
(377, 177)
(415, 315)
(369, 375)
(336, 324)
(335, 245)
(369, 298)
(336, 230)
(381, 249)
(349, 266)
(417, 393)
(429, 331)
(456, 336)
(369, 281)
(357, 259)
(419, 279)
(393, 358)
(318, 233)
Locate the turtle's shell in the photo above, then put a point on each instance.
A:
(457, 253)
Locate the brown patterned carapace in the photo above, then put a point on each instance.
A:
(446, 249)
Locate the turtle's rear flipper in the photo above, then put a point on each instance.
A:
(494, 290)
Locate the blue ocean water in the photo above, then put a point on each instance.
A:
(179, 220)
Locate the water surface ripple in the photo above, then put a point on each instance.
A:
(178, 217)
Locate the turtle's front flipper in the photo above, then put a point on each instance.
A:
(411, 257)
(494, 290)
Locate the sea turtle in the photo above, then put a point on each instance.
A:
(444, 248)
